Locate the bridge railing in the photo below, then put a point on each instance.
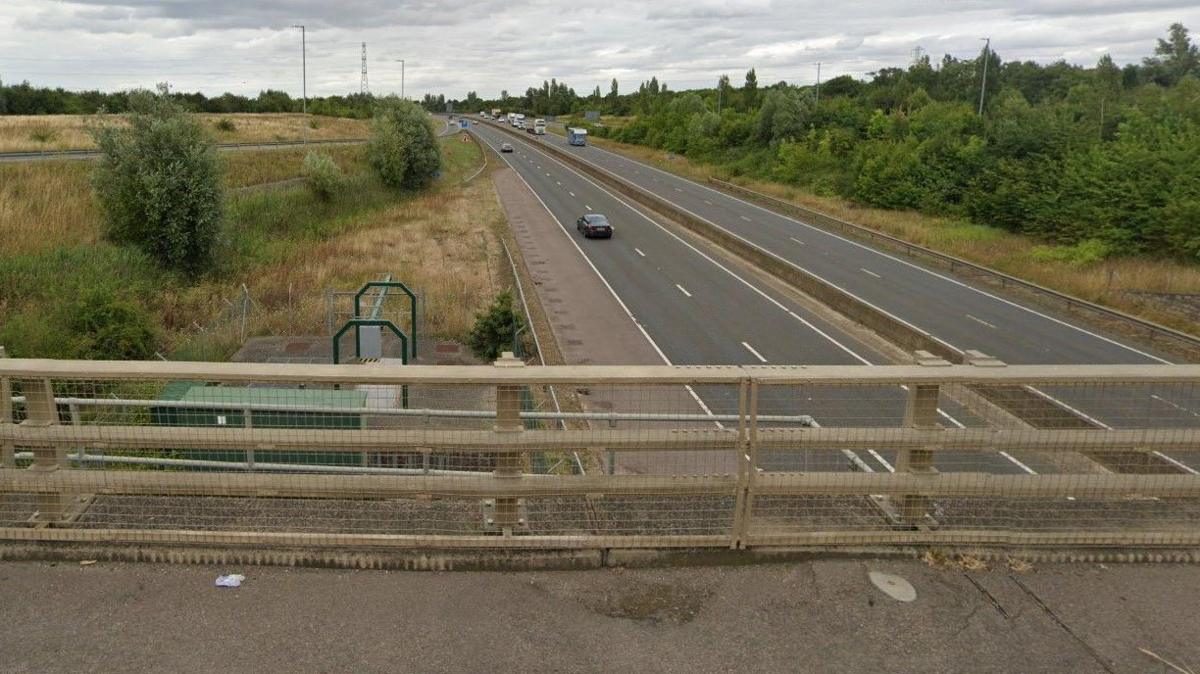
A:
(325, 456)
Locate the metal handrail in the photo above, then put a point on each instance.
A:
(802, 419)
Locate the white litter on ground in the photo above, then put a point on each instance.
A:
(230, 580)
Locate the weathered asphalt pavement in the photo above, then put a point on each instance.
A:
(822, 616)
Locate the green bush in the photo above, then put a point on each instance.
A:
(158, 182)
(403, 147)
(323, 175)
(102, 323)
(1081, 254)
(495, 330)
(226, 125)
(43, 134)
(108, 326)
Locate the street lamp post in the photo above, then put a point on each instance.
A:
(303, 68)
(987, 48)
(402, 79)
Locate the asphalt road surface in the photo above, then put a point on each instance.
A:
(732, 320)
(697, 310)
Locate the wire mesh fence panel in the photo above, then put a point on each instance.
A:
(516, 455)
(940, 461)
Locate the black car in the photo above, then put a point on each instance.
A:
(594, 225)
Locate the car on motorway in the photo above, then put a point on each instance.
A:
(506, 147)
(594, 225)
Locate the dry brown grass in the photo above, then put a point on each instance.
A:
(46, 204)
(255, 167)
(443, 243)
(31, 133)
(1109, 282)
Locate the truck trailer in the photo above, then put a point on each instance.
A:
(577, 136)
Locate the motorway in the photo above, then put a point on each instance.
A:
(697, 310)
(731, 311)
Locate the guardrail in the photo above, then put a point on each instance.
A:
(87, 154)
(1150, 330)
(154, 453)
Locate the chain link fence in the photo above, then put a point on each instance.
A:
(659, 457)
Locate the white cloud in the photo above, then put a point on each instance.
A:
(488, 45)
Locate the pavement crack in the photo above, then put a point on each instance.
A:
(989, 595)
(1061, 623)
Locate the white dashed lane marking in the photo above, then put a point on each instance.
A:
(756, 354)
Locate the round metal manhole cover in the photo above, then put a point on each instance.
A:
(893, 586)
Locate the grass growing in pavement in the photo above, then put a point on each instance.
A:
(1115, 282)
(32, 133)
(285, 245)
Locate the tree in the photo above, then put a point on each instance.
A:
(158, 182)
(750, 90)
(403, 147)
(495, 330)
(1175, 57)
(722, 92)
(613, 91)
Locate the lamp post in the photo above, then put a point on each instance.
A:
(987, 48)
(402, 79)
(303, 68)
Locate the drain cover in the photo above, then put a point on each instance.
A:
(893, 586)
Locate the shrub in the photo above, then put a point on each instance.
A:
(1082, 254)
(403, 147)
(322, 175)
(495, 330)
(108, 326)
(43, 134)
(158, 183)
(226, 125)
(314, 123)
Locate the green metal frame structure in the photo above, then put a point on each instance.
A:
(358, 313)
(366, 323)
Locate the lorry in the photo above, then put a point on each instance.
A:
(496, 113)
(577, 136)
(519, 120)
(512, 118)
(539, 127)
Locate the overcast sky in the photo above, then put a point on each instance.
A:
(452, 47)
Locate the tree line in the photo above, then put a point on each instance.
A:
(1103, 158)
(26, 99)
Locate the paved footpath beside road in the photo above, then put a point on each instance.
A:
(822, 616)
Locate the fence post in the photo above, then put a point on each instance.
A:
(747, 461)
(7, 449)
(42, 412)
(506, 511)
(920, 412)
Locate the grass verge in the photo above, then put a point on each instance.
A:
(34, 133)
(285, 245)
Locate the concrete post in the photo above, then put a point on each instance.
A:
(747, 460)
(921, 412)
(7, 449)
(41, 411)
(507, 514)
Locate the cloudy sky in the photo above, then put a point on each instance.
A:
(488, 45)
